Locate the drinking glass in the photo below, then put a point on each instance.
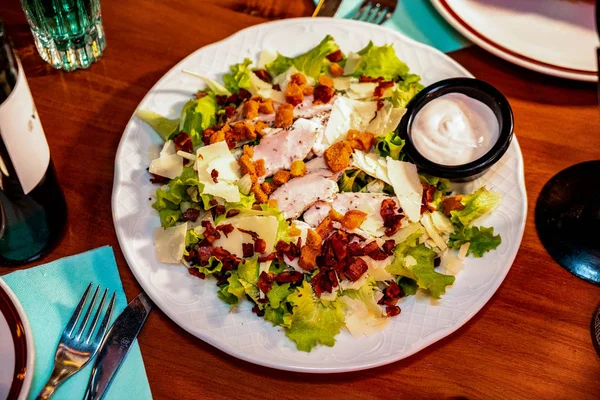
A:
(68, 33)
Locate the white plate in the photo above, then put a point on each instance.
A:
(193, 303)
(554, 37)
(17, 355)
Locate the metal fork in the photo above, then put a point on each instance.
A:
(375, 11)
(75, 349)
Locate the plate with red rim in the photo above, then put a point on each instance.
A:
(554, 37)
(17, 354)
(193, 303)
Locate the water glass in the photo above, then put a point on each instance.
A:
(67, 33)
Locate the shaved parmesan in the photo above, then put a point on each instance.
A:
(327, 296)
(267, 56)
(168, 163)
(450, 263)
(387, 120)
(371, 164)
(360, 320)
(352, 63)
(410, 261)
(432, 231)
(364, 90)
(218, 157)
(407, 187)
(348, 114)
(343, 83)
(377, 269)
(170, 243)
(462, 252)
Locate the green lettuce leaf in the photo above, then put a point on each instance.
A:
(198, 115)
(391, 145)
(366, 294)
(191, 237)
(239, 76)
(278, 294)
(310, 63)
(165, 127)
(415, 261)
(404, 92)
(381, 61)
(477, 204)
(214, 265)
(248, 271)
(481, 240)
(355, 180)
(313, 321)
(233, 291)
(408, 286)
(168, 217)
(245, 203)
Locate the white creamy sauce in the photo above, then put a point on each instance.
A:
(454, 129)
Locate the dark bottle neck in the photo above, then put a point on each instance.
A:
(8, 65)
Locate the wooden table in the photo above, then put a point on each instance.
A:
(532, 340)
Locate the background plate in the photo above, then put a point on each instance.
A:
(554, 37)
(193, 303)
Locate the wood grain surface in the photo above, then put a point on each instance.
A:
(532, 340)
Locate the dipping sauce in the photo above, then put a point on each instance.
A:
(454, 129)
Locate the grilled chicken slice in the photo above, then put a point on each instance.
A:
(307, 109)
(298, 194)
(369, 203)
(281, 149)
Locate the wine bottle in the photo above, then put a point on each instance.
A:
(33, 211)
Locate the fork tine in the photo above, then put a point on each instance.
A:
(363, 7)
(96, 317)
(387, 16)
(382, 11)
(87, 315)
(75, 317)
(371, 12)
(105, 321)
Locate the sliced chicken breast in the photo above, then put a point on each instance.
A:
(298, 194)
(307, 109)
(281, 149)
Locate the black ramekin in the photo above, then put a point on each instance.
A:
(478, 90)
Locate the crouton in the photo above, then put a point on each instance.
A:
(284, 116)
(218, 136)
(259, 166)
(249, 151)
(335, 216)
(294, 94)
(259, 195)
(294, 231)
(308, 258)
(361, 140)
(298, 78)
(247, 166)
(266, 107)
(281, 177)
(298, 168)
(244, 130)
(337, 156)
(268, 187)
(313, 240)
(336, 70)
(323, 94)
(272, 203)
(259, 128)
(325, 228)
(250, 109)
(308, 90)
(353, 219)
(324, 80)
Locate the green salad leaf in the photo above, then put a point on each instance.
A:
(477, 204)
(408, 286)
(366, 293)
(415, 261)
(381, 61)
(391, 145)
(355, 180)
(480, 239)
(239, 76)
(165, 127)
(232, 292)
(309, 63)
(313, 321)
(404, 92)
(198, 115)
(442, 186)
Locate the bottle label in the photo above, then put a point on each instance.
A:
(23, 135)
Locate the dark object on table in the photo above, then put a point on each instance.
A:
(567, 218)
(596, 330)
(478, 90)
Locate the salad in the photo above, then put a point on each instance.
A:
(287, 186)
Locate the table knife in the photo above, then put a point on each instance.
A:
(116, 345)
(327, 8)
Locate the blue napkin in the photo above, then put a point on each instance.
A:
(49, 293)
(417, 19)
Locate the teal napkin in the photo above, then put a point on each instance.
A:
(418, 20)
(49, 293)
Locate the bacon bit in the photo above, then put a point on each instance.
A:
(428, 191)
(437, 261)
(206, 135)
(210, 233)
(243, 94)
(247, 250)
(277, 87)
(229, 111)
(294, 94)
(268, 257)
(289, 277)
(452, 204)
(353, 219)
(256, 310)
(380, 89)
(356, 268)
(282, 246)
(369, 79)
(200, 95)
(221, 99)
(355, 249)
(263, 75)
(391, 294)
(220, 209)
(379, 104)
(378, 255)
(213, 202)
(391, 220)
(203, 254)
(214, 174)
(157, 179)
(333, 278)
(191, 214)
(392, 311)
(388, 247)
(265, 281)
(252, 234)
(284, 116)
(323, 94)
(260, 245)
(321, 282)
(336, 56)
(196, 272)
(370, 247)
(226, 229)
(183, 142)
(232, 213)
(339, 242)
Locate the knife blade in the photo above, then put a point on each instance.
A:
(327, 8)
(116, 345)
